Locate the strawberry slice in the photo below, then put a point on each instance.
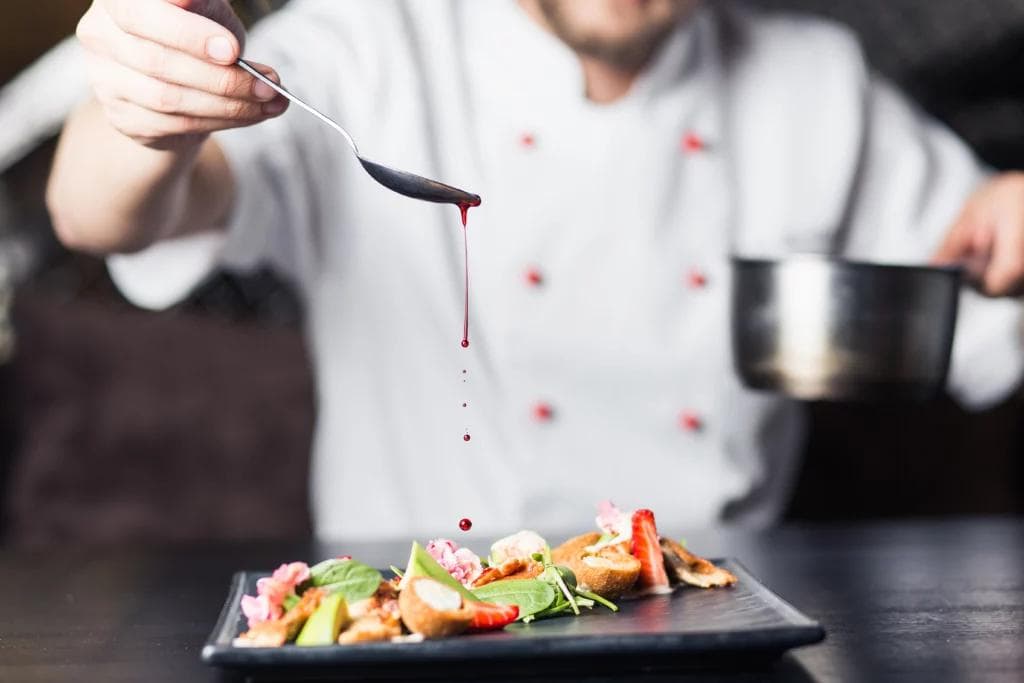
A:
(646, 549)
(488, 616)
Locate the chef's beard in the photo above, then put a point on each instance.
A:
(627, 53)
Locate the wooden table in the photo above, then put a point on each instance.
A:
(922, 601)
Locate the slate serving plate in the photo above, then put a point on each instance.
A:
(691, 628)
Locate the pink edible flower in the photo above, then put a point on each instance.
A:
(613, 521)
(462, 563)
(258, 609)
(292, 574)
(271, 592)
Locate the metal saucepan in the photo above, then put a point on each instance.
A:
(822, 328)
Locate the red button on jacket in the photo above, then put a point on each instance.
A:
(690, 421)
(692, 143)
(696, 279)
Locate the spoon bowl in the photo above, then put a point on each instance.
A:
(402, 182)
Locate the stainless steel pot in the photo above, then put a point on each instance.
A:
(820, 328)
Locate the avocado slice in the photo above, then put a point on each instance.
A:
(422, 564)
(324, 625)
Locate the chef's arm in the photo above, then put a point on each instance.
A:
(136, 163)
(914, 182)
(109, 194)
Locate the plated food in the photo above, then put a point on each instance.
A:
(447, 591)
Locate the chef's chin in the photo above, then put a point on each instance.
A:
(622, 33)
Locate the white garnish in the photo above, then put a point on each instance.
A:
(439, 597)
(614, 540)
(519, 546)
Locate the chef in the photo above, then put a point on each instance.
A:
(623, 149)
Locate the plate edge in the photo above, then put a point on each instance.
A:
(227, 612)
(796, 617)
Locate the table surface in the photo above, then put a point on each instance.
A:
(918, 601)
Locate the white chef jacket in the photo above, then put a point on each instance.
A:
(600, 359)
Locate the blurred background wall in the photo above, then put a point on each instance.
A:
(117, 424)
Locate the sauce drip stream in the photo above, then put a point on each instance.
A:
(464, 210)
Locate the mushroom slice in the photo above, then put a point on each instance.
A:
(685, 567)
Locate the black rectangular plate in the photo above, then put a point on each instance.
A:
(691, 628)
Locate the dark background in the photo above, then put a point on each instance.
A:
(118, 424)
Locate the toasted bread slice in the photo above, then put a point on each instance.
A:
(573, 548)
(432, 609)
(610, 573)
(685, 567)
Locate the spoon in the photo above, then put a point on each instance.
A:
(402, 182)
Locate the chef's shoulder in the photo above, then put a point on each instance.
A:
(349, 34)
(798, 91)
(794, 53)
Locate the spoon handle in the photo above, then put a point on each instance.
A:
(283, 92)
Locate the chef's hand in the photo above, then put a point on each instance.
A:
(988, 237)
(163, 70)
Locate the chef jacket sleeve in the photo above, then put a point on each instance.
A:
(913, 180)
(280, 168)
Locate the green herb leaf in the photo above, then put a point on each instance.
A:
(290, 601)
(532, 596)
(556, 610)
(568, 576)
(553, 577)
(354, 580)
(598, 599)
(422, 564)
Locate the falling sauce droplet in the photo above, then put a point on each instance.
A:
(465, 524)
(465, 343)
(466, 437)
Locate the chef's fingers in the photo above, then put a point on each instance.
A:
(117, 82)
(1004, 275)
(162, 131)
(100, 36)
(205, 29)
(958, 242)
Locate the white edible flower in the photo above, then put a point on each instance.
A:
(521, 545)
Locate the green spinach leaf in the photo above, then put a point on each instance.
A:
(530, 595)
(354, 580)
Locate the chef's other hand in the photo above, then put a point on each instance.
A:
(988, 237)
(164, 72)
